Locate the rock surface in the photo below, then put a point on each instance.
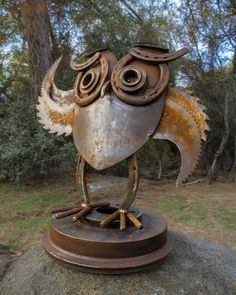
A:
(6, 257)
(194, 267)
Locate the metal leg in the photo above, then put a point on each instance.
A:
(81, 179)
(133, 182)
(130, 194)
(87, 205)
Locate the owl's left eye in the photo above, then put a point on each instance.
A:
(131, 78)
(138, 82)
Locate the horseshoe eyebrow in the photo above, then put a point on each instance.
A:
(145, 54)
(86, 64)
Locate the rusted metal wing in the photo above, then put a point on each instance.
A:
(56, 107)
(184, 123)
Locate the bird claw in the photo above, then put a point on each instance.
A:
(86, 208)
(83, 209)
(123, 214)
(66, 211)
(80, 210)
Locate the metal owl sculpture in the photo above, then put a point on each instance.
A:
(114, 108)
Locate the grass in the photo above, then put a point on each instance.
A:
(227, 216)
(184, 216)
(184, 212)
(35, 202)
(208, 212)
(199, 211)
(8, 191)
(26, 213)
(207, 218)
(34, 224)
(29, 228)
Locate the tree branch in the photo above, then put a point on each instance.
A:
(132, 11)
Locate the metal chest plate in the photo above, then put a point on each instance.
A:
(109, 130)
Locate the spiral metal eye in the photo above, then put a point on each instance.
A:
(92, 76)
(88, 81)
(131, 78)
(138, 82)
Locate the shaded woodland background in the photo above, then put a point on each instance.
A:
(34, 33)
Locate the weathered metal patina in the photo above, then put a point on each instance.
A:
(112, 111)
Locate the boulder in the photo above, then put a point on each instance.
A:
(193, 267)
(6, 257)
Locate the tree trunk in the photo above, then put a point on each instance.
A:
(233, 170)
(35, 18)
(212, 170)
(160, 169)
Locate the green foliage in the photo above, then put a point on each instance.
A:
(25, 148)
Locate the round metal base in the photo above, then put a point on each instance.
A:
(90, 248)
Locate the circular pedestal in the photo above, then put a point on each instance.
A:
(94, 249)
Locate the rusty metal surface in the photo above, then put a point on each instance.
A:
(191, 104)
(182, 123)
(108, 250)
(155, 54)
(87, 205)
(150, 45)
(133, 182)
(108, 130)
(100, 213)
(81, 180)
(93, 74)
(137, 82)
(114, 108)
(88, 63)
(108, 124)
(55, 107)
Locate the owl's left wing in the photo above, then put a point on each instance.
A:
(184, 123)
(56, 107)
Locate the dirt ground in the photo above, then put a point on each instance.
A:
(202, 210)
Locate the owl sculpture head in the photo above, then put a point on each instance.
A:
(116, 106)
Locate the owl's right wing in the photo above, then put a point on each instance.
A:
(55, 107)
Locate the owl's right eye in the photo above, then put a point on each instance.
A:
(92, 75)
(88, 81)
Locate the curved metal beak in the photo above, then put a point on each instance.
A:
(105, 88)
